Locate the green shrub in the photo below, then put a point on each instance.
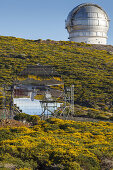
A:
(73, 166)
(20, 116)
(34, 119)
(57, 143)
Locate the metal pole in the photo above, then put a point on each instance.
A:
(72, 99)
(4, 111)
(11, 102)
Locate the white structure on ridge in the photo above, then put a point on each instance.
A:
(88, 23)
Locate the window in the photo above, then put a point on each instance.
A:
(92, 15)
(99, 33)
(92, 22)
(103, 23)
(92, 33)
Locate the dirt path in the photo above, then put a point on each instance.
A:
(83, 119)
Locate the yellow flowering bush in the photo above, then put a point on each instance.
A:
(86, 66)
(58, 143)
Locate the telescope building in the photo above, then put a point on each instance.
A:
(88, 23)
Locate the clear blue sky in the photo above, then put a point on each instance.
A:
(44, 19)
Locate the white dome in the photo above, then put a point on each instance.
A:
(88, 23)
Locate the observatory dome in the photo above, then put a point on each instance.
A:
(88, 23)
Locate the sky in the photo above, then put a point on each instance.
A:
(43, 19)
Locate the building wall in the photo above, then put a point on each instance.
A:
(90, 40)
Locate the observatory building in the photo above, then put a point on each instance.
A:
(88, 23)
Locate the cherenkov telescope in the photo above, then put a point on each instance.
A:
(88, 23)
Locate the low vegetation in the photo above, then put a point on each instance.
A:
(88, 68)
(57, 143)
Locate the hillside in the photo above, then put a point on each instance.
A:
(56, 144)
(88, 67)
